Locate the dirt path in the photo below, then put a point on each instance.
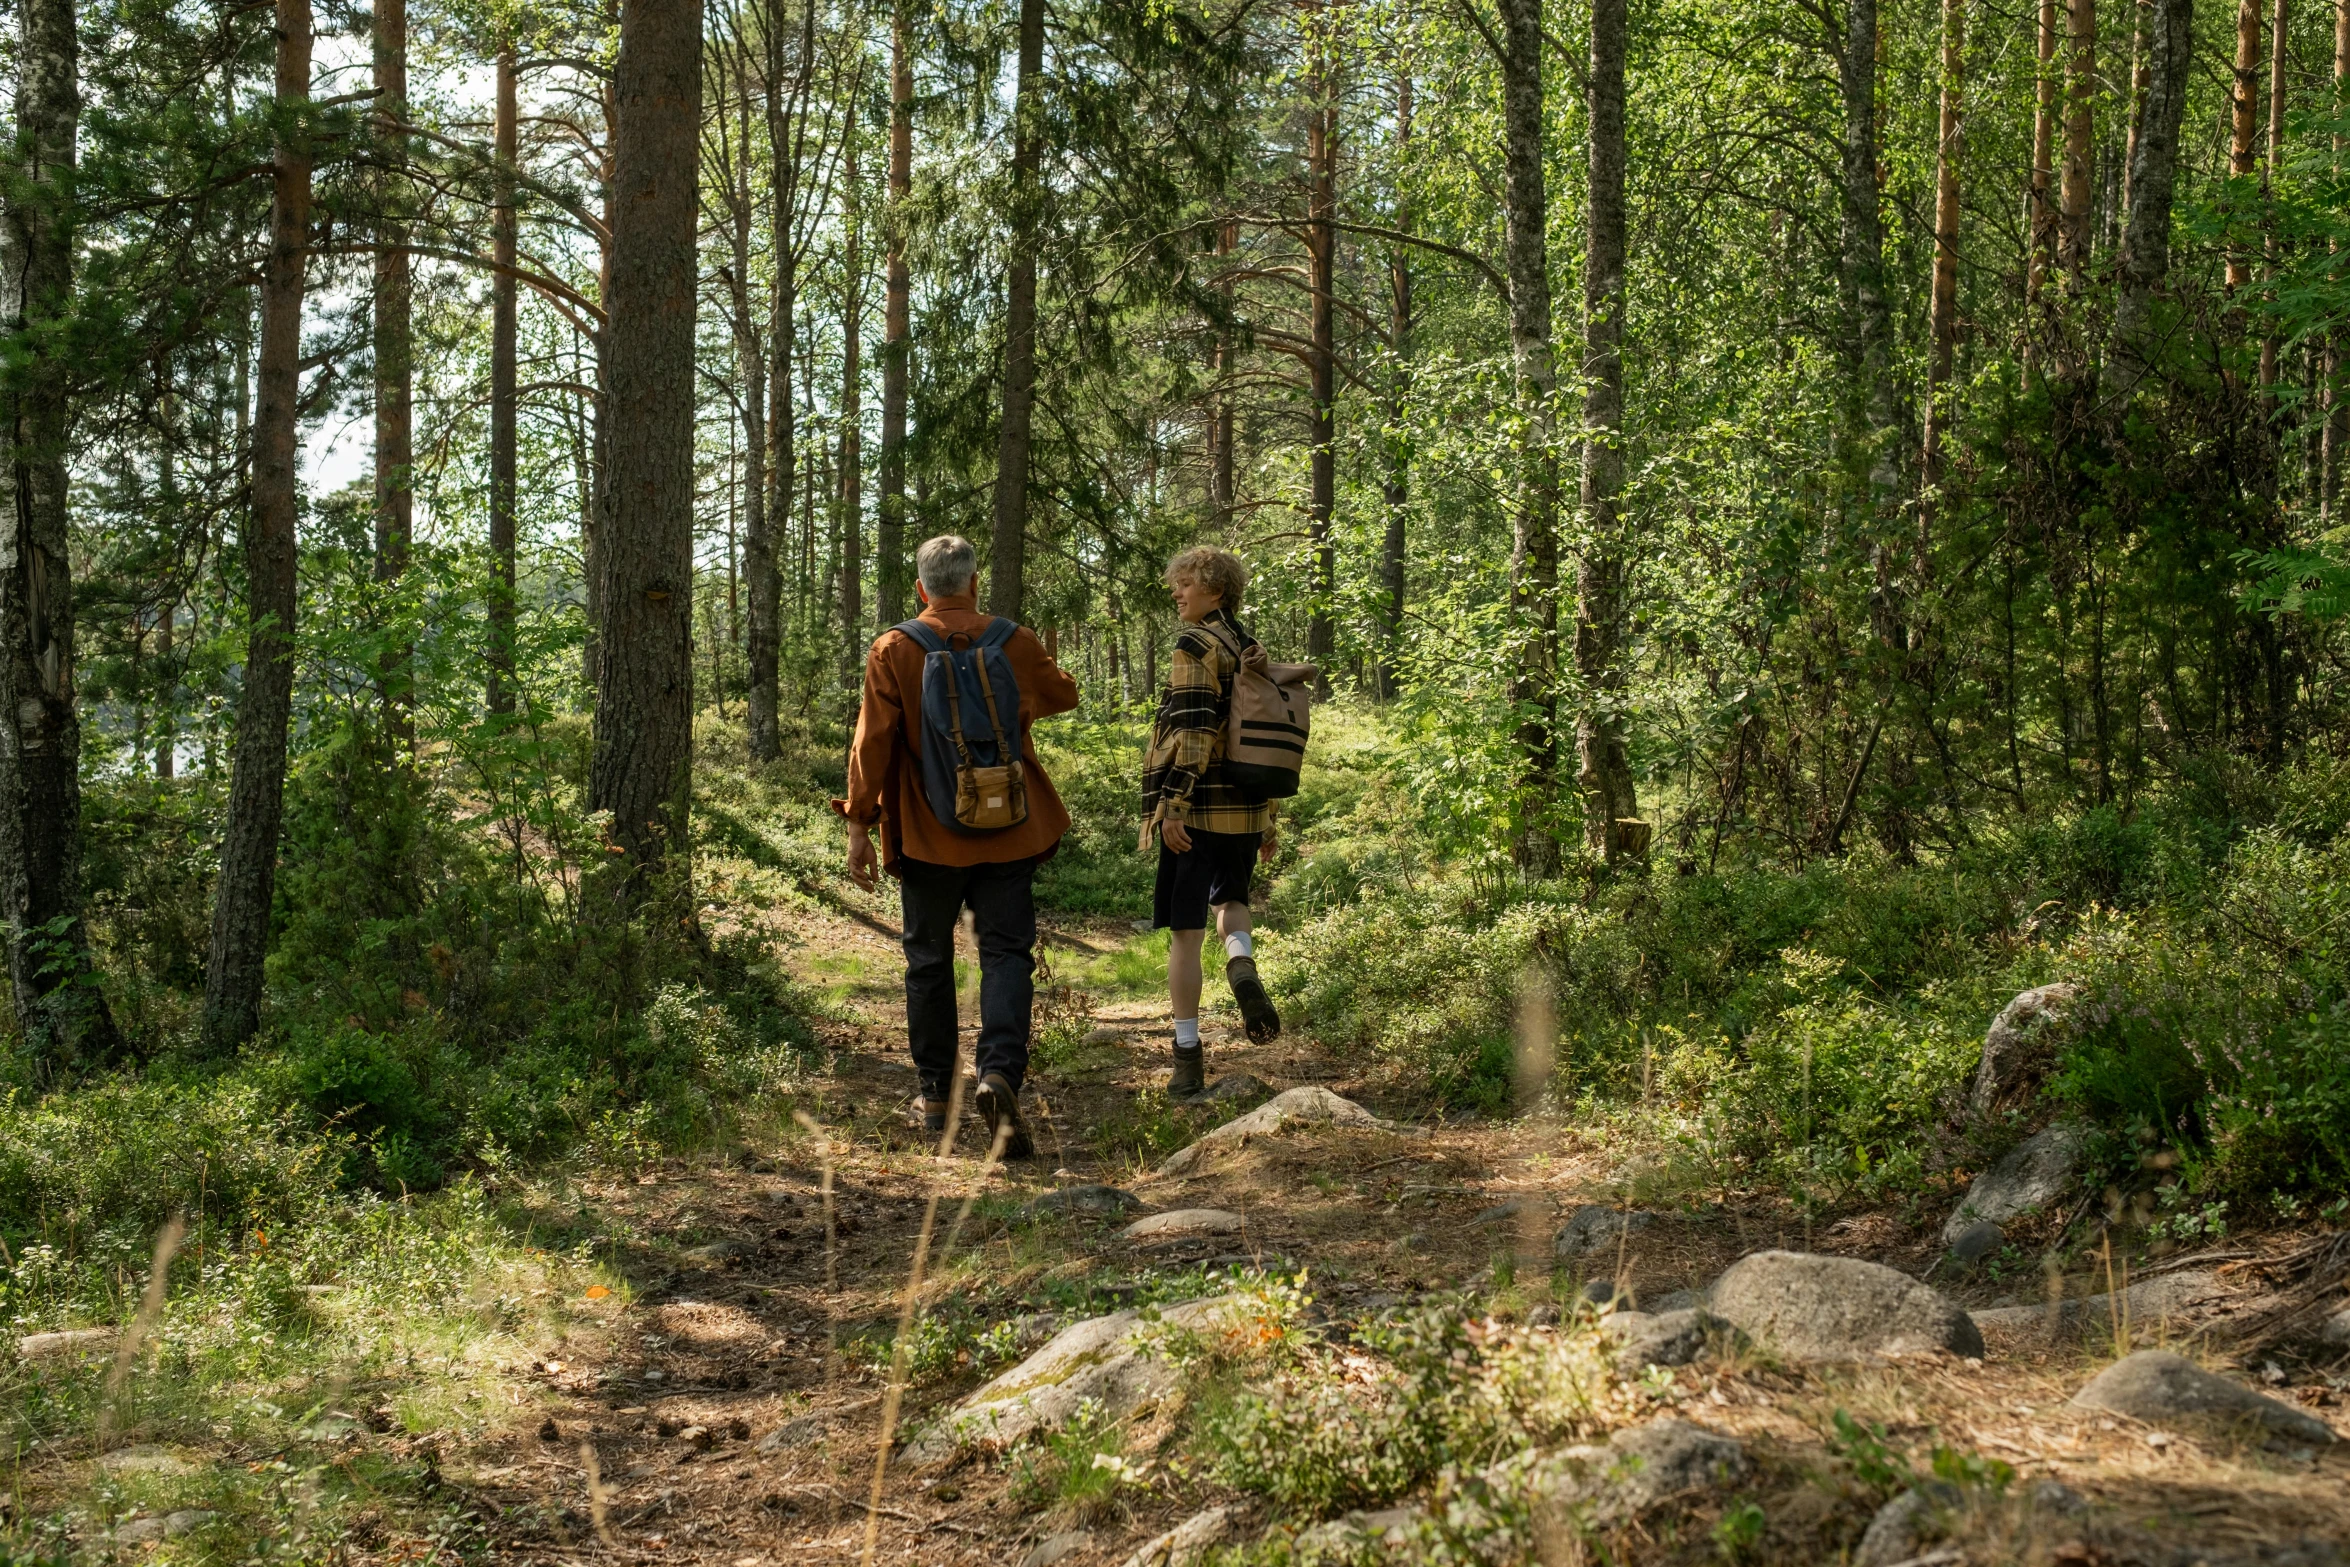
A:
(734, 1402)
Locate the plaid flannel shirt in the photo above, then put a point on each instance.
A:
(1183, 772)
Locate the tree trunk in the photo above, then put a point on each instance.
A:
(1322, 366)
(2145, 257)
(1942, 308)
(1221, 423)
(2243, 125)
(896, 328)
(2269, 177)
(503, 401)
(2337, 427)
(1398, 492)
(852, 432)
(2138, 16)
(644, 687)
(59, 1006)
(395, 490)
(248, 850)
(1534, 559)
(762, 551)
(2041, 202)
(1008, 551)
(2079, 126)
(750, 357)
(1601, 577)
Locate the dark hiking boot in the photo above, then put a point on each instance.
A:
(1191, 1074)
(999, 1103)
(1256, 1008)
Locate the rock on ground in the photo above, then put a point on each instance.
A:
(2155, 1384)
(1233, 1087)
(1906, 1525)
(73, 1341)
(1298, 1107)
(2017, 1050)
(1596, 1227)
(1054, 1547)
(1641, 1466)
(1977, 1241)
(1679, 1300)
(1100, 1358)
(145, 1460)
(1839, 1308)
(1671, 1338)
(1188, 1540)
(2033, 1174)
(1106, 1202)
(2150, 1301)
(1186, 1221)
(1348, 1537)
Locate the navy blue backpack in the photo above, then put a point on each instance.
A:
(972, 774)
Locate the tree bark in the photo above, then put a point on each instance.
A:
(2244, 124)
(395, 490)
(2145, 257)
(2041, 202)
(503, 400)
(2337, 426)
(852, 420)
(750, 357)
(59, 1004)
(1942, 308)
(1602, 584)
(1534, 558)
(763, 539)
(248, 850)
(889, 565)
(644, 687)
(1008, 550)
(2079, 127)
(2268, 183)
(1322, 364)
(1398, 489)
(1221, 425)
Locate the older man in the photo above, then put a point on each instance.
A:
(942, 870)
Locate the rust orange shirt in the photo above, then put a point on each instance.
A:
(885, 758)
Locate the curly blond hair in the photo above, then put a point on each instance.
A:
(1209, 567)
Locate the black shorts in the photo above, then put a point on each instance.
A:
(1215, 869)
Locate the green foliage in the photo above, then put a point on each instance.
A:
(1078, 1470)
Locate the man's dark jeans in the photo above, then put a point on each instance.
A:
(1002, 900)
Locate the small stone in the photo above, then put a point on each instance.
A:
(1906, 1525)
(1187, 1541)
(1610, 1296)
(1677, 1300)
(2154, 1383)
(1094, 1200)
(1186, 1221)
(73, 1341)
(1053, 1547)
(186, 1521)
(794, 1433)
(2032, 1175)
(1976, 1242)
(144, 1460)
(1232, 1088)
(1839, 1308)
(1640, 1467)
(139, 1531)
(1593, 1227)
(1673, 1338)
(1495, 1215)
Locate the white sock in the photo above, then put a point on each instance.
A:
(1187, 1033)
(1240, 944)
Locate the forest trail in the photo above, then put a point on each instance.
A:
(734, 1404)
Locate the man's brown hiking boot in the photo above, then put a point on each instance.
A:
(1191, 1074)
(999, 1103)
(1256, 1008)
(934, 1116)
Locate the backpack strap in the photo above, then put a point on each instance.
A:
(999, 631)
(925, 638)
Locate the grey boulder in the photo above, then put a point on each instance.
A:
(1055, 1547)
(1639, 1467)
(1906, 1525)
(1094, 1201)
(1233, 1087)
(1671, 1338)
(2152, 1301)
(2022, 1041)
(1102, 1359)
(1188, 1540)
(1185, 1222)
(1975, 1242)
(73, 1341)
(1308, 1106)
(1839, 1308)
(1595, 1227)
(2035, 1173)
(2155, 1384)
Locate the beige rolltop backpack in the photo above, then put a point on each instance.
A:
(1270, 722)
